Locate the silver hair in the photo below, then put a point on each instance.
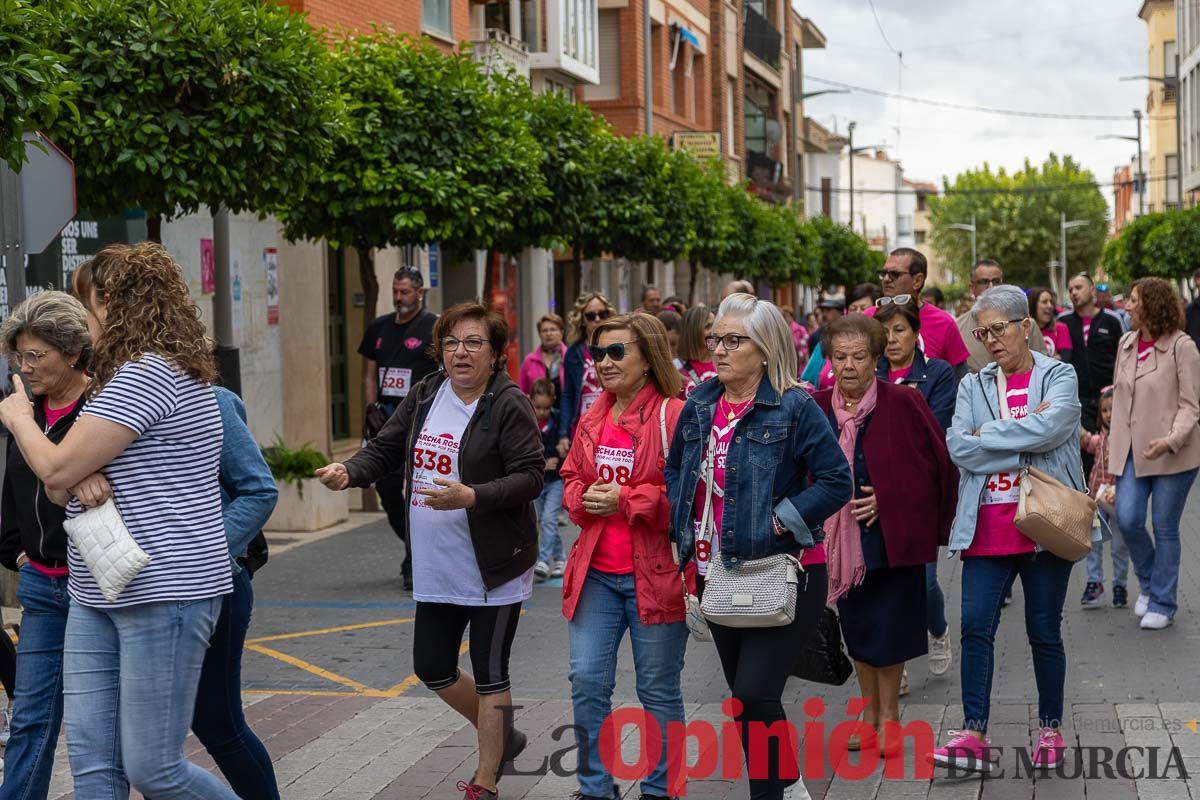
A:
(57, 318)
(1009, 300)
(767, 328)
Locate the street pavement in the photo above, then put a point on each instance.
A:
(330, 690)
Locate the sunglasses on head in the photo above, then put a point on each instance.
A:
(614, 351)
(900, 300)
(593, 316)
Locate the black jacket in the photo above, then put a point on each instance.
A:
(500, 457)
(1192, 320)
(29, 522)
(1094, 361)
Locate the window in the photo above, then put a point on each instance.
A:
(609, 87)
(919, 237)
(1169, 51)
(1173, 180)
(904, 225)
(435, 16)
(921, 204)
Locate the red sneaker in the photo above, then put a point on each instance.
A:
(1049, 750)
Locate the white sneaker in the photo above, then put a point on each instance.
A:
(1142, 605)
(940, 653)
(556, 571)
(5, 723)
(541, 569)
(1153, 621)
(904, 682)
(797, 791)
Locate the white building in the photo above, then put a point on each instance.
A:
(876, 191)
(1187, 28)
(822, 171)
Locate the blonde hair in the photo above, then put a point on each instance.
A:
(691, 337)
(767, 328)
(651, 336)
(575, 321)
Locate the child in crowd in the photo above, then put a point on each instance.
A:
(1102, 487)
(549, 503)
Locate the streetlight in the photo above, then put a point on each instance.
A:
(962, 226)
(1065, 226)
(1170, 82)
(850, 133)
(1141, 176)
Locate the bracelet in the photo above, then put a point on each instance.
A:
(780, 528)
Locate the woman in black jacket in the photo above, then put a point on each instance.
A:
(471, 454)
(47, 339)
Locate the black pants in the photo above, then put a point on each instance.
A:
(437, 636)
(757, 662)
(391, 497)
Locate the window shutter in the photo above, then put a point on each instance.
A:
(609, 87)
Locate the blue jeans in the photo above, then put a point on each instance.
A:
(985, 579)
(935, 602)
(38, 707)
(1156, 563)
(549, 505)
(607, 607)
(130, 678)
(1120, 556)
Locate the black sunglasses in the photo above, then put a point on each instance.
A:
(592, 316)
(615, 351)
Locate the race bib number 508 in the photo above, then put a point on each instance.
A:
(614, 464)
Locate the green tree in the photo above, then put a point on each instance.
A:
(1017, 218)
(34, 85)
(1164, 244)
(190, 103)
(712, 218)
(428, 153)
(844, 258)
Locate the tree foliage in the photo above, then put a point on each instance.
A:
(1017, 218)
(186, 103)
(845, 259)
(34, 84)
(1164, 244)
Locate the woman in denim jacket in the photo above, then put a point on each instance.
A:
(1038, 427)
(778, 473)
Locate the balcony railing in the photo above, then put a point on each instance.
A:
(496, 50)
(761, 38)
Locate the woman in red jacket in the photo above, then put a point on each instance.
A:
(620, 573)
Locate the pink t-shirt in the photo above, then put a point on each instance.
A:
(939, 336)
(1145, 348)
(1087, 327)
(898, 375)
(1056, 338)
(827, 379)
(614, 464)
(995, 532)
(707, 542)
(695, 373)
(53, 415)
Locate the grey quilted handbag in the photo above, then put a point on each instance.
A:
(108, 549)
(760, 593)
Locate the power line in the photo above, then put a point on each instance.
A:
(965, 107)
(1061, 187)
(879, 25)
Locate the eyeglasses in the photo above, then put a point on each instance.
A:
(473, 344)
(32, 357)
(900, 300)
(614, 351)
(731, 341)
(988, 281)
(891, 274)
(593, 316)
(996, 329)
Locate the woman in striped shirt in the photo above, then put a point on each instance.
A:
(150, 436)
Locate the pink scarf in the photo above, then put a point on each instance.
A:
(843, 541)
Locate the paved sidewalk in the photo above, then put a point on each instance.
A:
(330, 692)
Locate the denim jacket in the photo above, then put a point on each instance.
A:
(248, 490)
(1048, 440)
(781, 443)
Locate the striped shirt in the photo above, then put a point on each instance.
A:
(164, 484)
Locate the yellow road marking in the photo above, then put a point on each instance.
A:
(412, 680)
(295, 692)
(320, 672)
(340, 629)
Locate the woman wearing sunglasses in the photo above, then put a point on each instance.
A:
(620, 573)
(754, 470)
(468, 446)
(1023, 408)
(580, 383)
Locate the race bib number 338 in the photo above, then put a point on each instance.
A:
(433, 457)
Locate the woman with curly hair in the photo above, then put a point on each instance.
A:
(150, 438)
(581, 385)
(1154, 444)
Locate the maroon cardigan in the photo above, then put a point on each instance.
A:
(911, 472)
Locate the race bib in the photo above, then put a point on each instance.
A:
(614, 464)
(586, 400)
(1002, 489)
(394, 381)
(433, 457)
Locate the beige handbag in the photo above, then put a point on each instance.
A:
(1055, 516)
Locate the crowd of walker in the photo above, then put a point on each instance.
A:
(694, 448)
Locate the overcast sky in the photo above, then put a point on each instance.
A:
(1062, 56)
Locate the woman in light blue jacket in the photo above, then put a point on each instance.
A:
(1021, 409)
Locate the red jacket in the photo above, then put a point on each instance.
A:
(643, 501)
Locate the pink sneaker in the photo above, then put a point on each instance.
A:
(965, 752)
(1049, 750)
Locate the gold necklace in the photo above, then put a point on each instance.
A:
(735, 411)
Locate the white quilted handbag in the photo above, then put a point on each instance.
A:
(108, 549)
(760, 593)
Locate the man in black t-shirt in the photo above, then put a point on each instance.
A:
(396, 347)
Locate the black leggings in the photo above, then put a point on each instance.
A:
(438, 636)
(757, 663)
(8, 666)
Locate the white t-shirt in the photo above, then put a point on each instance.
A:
(165, 484)
(444, 565)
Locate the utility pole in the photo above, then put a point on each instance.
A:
(1063, 227)
(850, 134)
(962, 226)
(1141, 178)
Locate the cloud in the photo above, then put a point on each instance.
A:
(1061, 57)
